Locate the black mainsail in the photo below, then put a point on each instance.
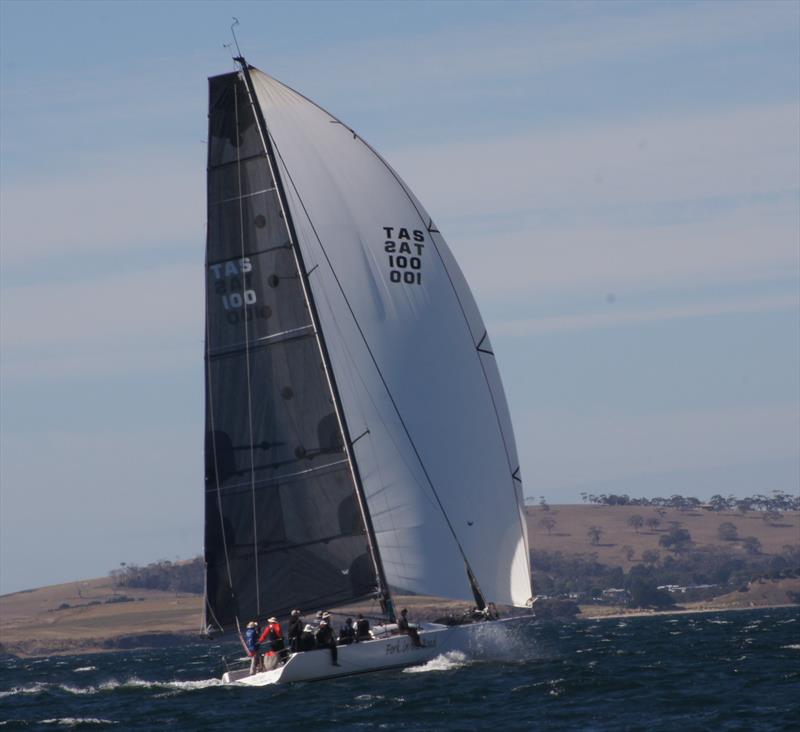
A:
(284, 524)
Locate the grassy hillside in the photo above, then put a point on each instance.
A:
(569, 534)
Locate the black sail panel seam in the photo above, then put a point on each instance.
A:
(254, 253)
(263, 342)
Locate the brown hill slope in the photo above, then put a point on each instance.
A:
(572, 523)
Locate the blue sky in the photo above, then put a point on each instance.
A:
(619, 181)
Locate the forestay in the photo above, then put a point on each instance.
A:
(283, 527)
(418, 381)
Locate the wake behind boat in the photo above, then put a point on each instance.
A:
(358, 441)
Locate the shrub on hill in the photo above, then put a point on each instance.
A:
(779, 501)
(164, 575)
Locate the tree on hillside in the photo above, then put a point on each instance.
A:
(727, 531)
(718, 503)
(543, 504)
(752, 545)
(594, 533)
(628, 552)
(636, 521)
(651, 556)
(653, 522)
(678, 540)
(547, 522)
(772, 517)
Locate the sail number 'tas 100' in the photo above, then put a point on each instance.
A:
(231, 283)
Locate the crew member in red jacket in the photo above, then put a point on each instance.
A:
(272, 639)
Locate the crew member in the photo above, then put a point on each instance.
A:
(253, 647)
(295, 631)
(347, 633)
(325, 639)
(273, 638)
(362, 629)
(308, 641)
(404, 627)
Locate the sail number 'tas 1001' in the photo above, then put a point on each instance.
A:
(404, 249)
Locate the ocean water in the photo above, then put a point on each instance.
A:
(721, 671)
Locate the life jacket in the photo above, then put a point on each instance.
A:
(273, 634)
(251, 640)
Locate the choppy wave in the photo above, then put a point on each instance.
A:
(445, 662)
(77, 721)
(112, 685)
(574, 676)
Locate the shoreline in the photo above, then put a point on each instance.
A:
(643, 613)
(65, 647)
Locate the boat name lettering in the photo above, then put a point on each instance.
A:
(404, 249)
(403, 645)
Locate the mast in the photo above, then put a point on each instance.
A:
(383, 586)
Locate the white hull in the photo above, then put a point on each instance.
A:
(392, 651)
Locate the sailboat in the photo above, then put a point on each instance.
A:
(358, 443)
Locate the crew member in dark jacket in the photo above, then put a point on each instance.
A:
(308, 641)
(326, 639)
(295, 631)
(362, 629)
(347, 633)
(404, 627)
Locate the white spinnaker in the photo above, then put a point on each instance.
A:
(424, 406)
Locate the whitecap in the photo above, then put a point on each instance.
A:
(75, 721)
(445, 662)
(793, 646)
(84, 669)
(33, 689)
(79, 690)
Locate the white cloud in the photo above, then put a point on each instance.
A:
(747, 152)
(496, 55)
(614, 316)
(129, 202)
(144, 320)
(615, 445)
